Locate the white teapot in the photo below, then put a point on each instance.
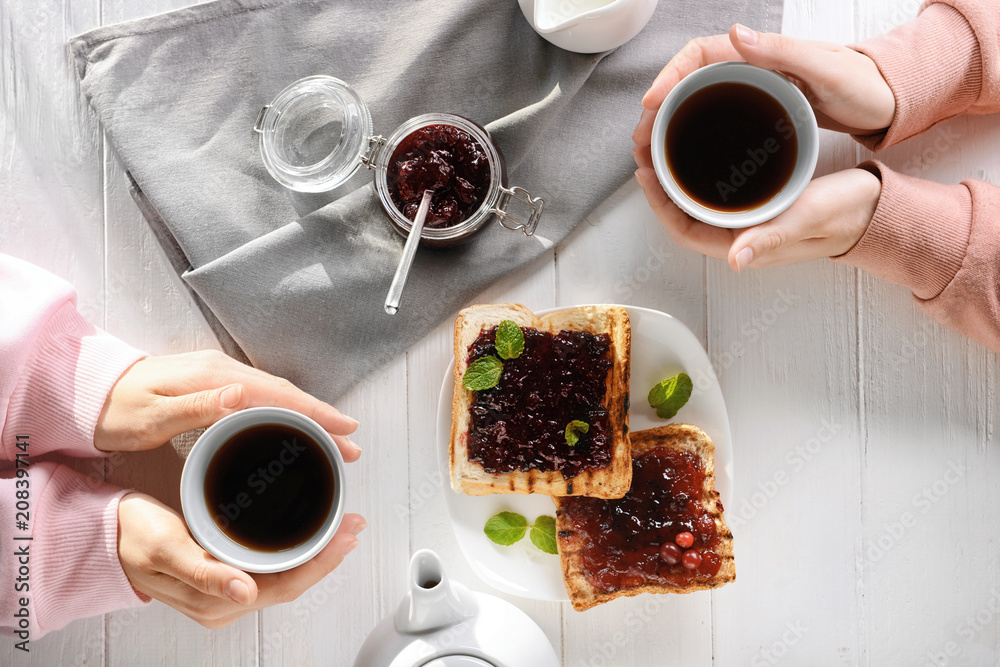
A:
(441, 623)
(588, 26)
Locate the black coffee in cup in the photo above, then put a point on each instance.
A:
(270, 487)
(731, 147)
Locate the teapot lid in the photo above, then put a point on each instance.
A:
(458, 661)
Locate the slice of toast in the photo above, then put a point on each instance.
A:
(573, 554)
(610, 481)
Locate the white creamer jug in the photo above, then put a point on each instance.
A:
(588, 26)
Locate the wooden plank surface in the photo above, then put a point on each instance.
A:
(865, 434)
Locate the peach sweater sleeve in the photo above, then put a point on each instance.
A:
(944, 64)
(58, 528)
(941, 241)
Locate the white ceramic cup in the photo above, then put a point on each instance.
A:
(786, 94)
(199, 516)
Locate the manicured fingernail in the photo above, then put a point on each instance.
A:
(230, 398)
(354, 444)
(638, 178)
(238, 591)
(350, 547)
(746, 35)
(353, 421)
(743, 258)
(358, 528)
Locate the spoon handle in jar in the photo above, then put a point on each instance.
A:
(409, 250)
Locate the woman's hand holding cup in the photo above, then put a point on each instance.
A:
(162, 561)
(847, 93)
(161, 397)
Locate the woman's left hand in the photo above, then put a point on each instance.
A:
(161, 397)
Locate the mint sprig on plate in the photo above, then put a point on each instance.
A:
(507, 528)
(670, 395)
(543, 534)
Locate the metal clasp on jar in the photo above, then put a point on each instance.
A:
(258, 125)
(536, 204)
(370, 155)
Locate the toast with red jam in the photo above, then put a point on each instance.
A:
(556, 421)
(666, 535)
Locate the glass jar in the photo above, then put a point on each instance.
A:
(318, 132)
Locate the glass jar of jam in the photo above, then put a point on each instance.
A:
(318, 132)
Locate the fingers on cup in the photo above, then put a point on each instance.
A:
(777, 241)
(697, 53)
(348, 448)
(179, 414)
(342, 543)
(201, 571)
(282, 587)
(643, 132)
(271, 391)
(795, 58)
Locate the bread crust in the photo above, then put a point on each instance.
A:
(612, 482)
(677, 437)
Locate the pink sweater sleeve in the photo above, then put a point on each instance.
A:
(941, 241)
(64, 565)
(944, 64)
(55, 373)
(56, 369)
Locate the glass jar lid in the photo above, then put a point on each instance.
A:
(314, 133)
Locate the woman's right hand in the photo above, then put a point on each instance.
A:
(162, 561)
(846, 89)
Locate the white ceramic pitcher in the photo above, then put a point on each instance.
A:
(441, 623)
(588, 26)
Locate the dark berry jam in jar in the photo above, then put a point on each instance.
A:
(317, 132)
(447, 160)
(458, 159)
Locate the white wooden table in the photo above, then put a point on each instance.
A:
(866, 500)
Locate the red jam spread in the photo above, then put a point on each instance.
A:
(447, 160)
(622, 538)
(520, 424)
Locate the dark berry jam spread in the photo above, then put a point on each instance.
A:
(622, 538)
(520, 424)
(447, 160)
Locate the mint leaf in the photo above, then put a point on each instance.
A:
(509, 340)
(506, 528)
(669, 396)
(574, 430)
(483, 373)
(543, 534)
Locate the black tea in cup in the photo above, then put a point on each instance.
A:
(270, 487)
(731, 147)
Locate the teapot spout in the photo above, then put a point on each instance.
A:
(433, 601)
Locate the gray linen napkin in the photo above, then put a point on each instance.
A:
(298, 281)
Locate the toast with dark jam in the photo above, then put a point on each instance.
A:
(556, 422)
